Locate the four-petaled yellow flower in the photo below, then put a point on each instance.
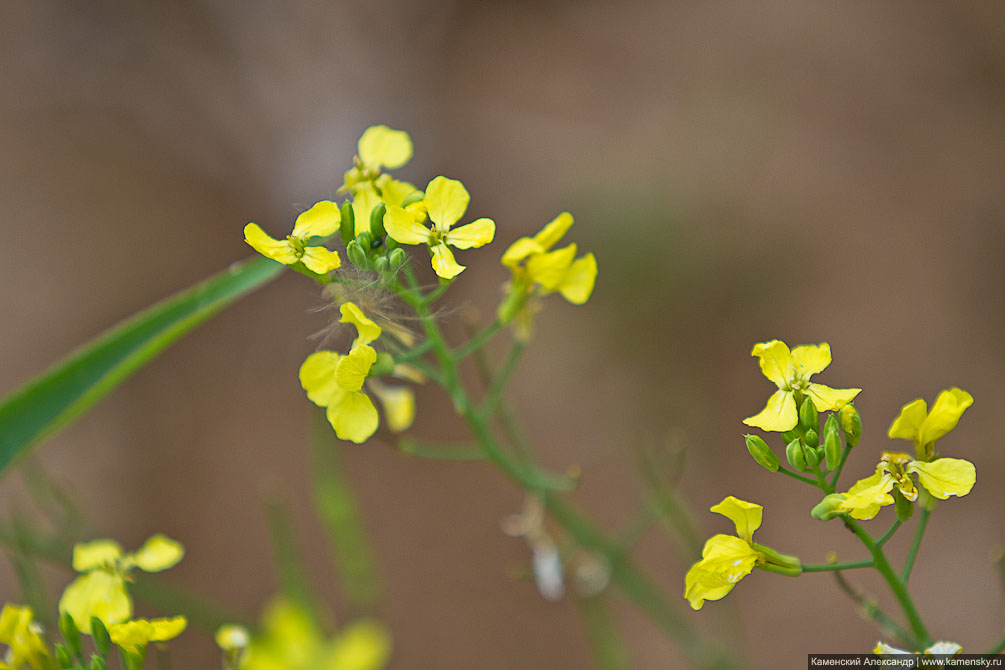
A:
(922, 427)
(445, 202)
(101, 590)
(22, 635)
(942, 478)
(290, 639)
(134, 636)
(791, 371)
(379, 147)
(321, 220)
(726, 559)
(334, 381)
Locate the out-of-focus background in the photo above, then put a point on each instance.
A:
(804, 171)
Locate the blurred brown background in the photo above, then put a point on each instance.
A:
(806, 171)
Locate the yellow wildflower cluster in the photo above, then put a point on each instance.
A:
(22, 635)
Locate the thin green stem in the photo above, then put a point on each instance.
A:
(913, 553)
(494, 394)
(414, 353)
(889, 533)
(998, 648)
(872, 611)
(835, 567)
(478, 340)
(438, 451)
(789, 473)
(896, 584)
(822, 482)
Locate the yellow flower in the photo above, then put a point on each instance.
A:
(791, 371)
(134, 636)
(335, 381)
(940, 648)
(101, 590)
(291, 640)
(379, 147)
(922, 427)
(232, 637)
(727, 559)
(445, 201)
(22, 635)
(534, 264)
(321, 220)
(942, 478)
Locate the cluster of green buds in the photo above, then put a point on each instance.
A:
(808, 447)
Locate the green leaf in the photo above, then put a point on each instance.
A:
(64, 392)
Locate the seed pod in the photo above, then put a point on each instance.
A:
(762, 453)
(347, 229)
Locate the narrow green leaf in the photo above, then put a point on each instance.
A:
(64, 392)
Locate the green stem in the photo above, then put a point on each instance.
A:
(498, 385)
(888, 534)
(913, 553)
(833, 567)
(439, 451)
(478, 341)
(414, 353)
(789, 473)
(998, 648)
(871, 610)
(896, 584)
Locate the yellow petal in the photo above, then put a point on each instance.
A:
(577, 286)
(746, 515)
(725, 560)
(775, 361)
(321, 220)
(945, 477)
(519, 250)
(866, 496)
(158, 553)
(95, 554)
(352, 370)
(278, 250)
(475, 234)
(353, 416)
(231, 636)
(317, 377)
(779, 415)
(367, 329)
(402, 226)
(394, 192)
(944, 648)
(811, 359)
(884, 648)
(320, 260)
(826, 399)
(945, 414)
(444, 264)
(446, 201)
(96, 594)
(168, 628)
(133, 636)
(380, 146)
(362, 645)
(549, 269)
(908, 423)
(554, 231)
(398, 403)
(364, 199)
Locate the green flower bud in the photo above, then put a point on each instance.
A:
(828, 508)
(808, 416)
(396, 258)
(383, 366)
(795, 454)
(381, 265)
(63, 656)
(347, 229)
(812, 456)
(413, 198)
(390, 243)
(377, 221)
(365, 240)
(762, 453)
(851, 424)
(790, 435)
(68, 629)
(812, 439)
(357, 256)
(832, 444)
(100, 634)
(904, 507)
(98, 663)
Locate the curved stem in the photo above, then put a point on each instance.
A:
(789, 473)
(872, 611)
(913, 553)
(834, 567)
(889, 533)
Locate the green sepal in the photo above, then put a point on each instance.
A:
(102, 642)
(98, 663)
(68, 629)
(63, 656)
(347, 228)
(412, 198)
(761, 452)
(828, 508)
(390, 243)
(904, 507)
(377, 221)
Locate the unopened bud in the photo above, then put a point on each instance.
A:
(63, 656)
(808, 416)
(365, 240)
(98, 663)
(812, 456)
(832, 443)
(829, 507)
(357, 256)
(347, 228)
(396, 258)
(383, 366)
(795, 454)
(851, 424)
(377, 221)
(790, 435)
(390, 243)
(812, 439)
(762, 453)
(100, 634)
(68, 629)
(381, 265)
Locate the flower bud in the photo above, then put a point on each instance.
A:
(789, 435)
(377, 221)
(63, 656)
(851, 424)
(812, 439)
(808, 416)
(396, 258)
(365, 240)
(795, 454)
(832, 443)
(98, 663)
(383, 366)
(812, 456)
(347, 228)
(390, 243)
(381, 265)
(762, 453)
(68, 629)
(356, 255)
(100, 634)
(829, 507)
